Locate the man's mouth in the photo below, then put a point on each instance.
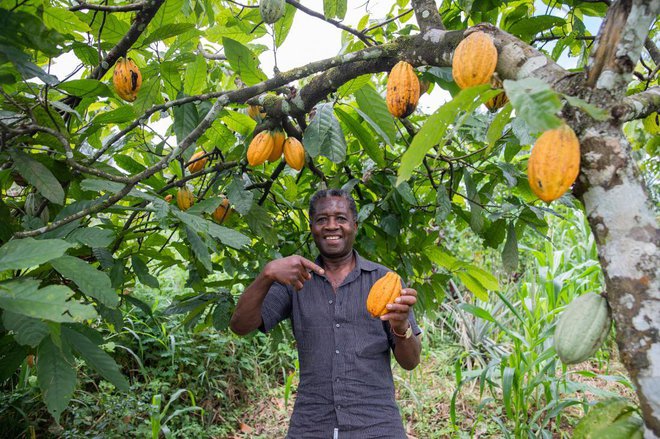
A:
(332, 238)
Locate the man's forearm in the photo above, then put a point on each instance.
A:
(247, 315)
(407, 351)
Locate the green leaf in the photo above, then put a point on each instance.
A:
(283, 25)
(96, 358)
(435, 127)
(27, 331)
(374, 110)
(128, 163)
(168, 31)
(476, 211)
(474, 286)
(535, 102)
(194, 80)
(483, 277)
(125, 113)
(352, 86)
(200, 250)
(51, 303)
(223, 311)
(443, 202)
(324, 136)
(476, 311)
(529, 26)
(239, 122)
(243, 61)
(220, 137)
(240, 199)
(39, 176)
(227, 236)
(142, 272)
(56, 374)
(496, 127)
(64, 21)
(441, 258)
(11, 356)
(25, 66)
(91, 281)
(86, 88)
(367, 141)
(593, 111)
(24, 253)
(510, 251)
(186, 119)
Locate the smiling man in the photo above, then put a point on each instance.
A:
(346, 389)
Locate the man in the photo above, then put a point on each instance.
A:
(346, 389)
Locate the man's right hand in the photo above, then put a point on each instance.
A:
(292, 270)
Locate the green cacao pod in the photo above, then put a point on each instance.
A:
(582, 328)
(402, 90)
(474, 61)
(613, 418)
(383, 292)
(271, 10)
(127, 79)
(554, 163)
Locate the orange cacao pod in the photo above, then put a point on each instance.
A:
(196, 163)
(382, 293)
(497, 102)
(127, 79)
(475, 59)
(402, 90)
(260, 148)
(294, 153)
(184, 198)
(168, 198)
(278, 145)
(222, 212)
(256, 112)
(554, 163)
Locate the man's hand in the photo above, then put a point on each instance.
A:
(400, 309)
(292, 270)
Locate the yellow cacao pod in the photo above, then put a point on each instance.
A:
(475, 59)
(402, 90)
(382, 293)
(278, 145)
(184, 198)
(497, 102)
(554, 163)
(222, 212)
(196, 162)
(260, 148)
(256, 112)
(168, 198)
(127, 79)
(294, 153)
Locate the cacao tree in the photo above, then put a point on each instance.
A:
(96, 198)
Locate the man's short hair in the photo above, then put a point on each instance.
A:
(324, 193)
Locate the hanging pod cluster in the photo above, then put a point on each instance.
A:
(270, 145)
(383, 292)
(554, 163)
(402, 90)
(127, 79)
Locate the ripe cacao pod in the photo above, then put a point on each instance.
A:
(222, 212)
(196, 163)
(256, 112)
(184, 198)
(612, 418)
(260, 148)
(168, 198)
(402, 90)
(495, 103)
(582, 327)
(383, 292)
(652, 123)
(271, 10)
(278, 145)
(127, 79)
(294, 153)
(554, 163)
(475, 59)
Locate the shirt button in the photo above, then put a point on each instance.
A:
(337, 325)
(330, 302)
(338, 407)
(337, 351)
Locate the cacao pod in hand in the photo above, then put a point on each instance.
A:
(127, 79)
(554, 163)
(475, 59)
(196, 162)
(294, 153)
(184, 198)
(382, 293)
(278, 145)
(222, 212)
(260, 148)
(402, 90)
(582, 328)
(271, 10)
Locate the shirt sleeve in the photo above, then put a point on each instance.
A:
(275, 307)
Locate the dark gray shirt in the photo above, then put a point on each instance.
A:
(344, 353)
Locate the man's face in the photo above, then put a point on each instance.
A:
(333, 227)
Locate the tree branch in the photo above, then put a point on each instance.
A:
(105, 8)
(427, 15)
(637, 106)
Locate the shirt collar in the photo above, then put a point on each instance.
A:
(360, 262)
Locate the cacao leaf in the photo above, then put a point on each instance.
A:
(86, 88)
(64, 21)
(510, 250)
(243, 61)
(474, 286)
(535, 103)
(283, 25)
(223, 311)
(24, 253)
(443, 205)
(200, 250)
(12, 355)
(369, 144)
(373, 109)
(27, 331)
(142, 272)
(125, 113)
(324, 136)
(167, 31)
(91, 281)
(39, 176)
(240, 199)
(56, 374)
(194, 80)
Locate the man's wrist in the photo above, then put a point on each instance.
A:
(405, 334)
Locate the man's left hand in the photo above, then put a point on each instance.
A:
(399, 310)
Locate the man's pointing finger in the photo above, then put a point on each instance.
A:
(312, 266)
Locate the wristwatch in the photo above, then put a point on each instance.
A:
(406, 335)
